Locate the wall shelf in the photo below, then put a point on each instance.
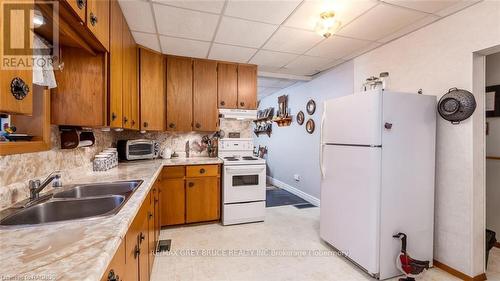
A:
(283, 122)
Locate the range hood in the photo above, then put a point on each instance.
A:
(239, 114)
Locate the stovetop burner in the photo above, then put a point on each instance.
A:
(249, 158)
(231, 158)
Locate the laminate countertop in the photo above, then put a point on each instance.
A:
(80, 249)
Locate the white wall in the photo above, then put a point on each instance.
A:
(493, 149)
(435, 58)
(291, 149)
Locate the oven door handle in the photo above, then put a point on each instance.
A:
(233, 170)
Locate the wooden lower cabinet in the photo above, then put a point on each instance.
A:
(202, 199)
(116, 269)
(134, 258)
(189, 194)
(173, 201)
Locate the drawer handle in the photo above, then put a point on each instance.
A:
(202, 171)
(93, 19)
(198, 125)
(19, 88)
(80, 4)
(171, 125)
(222, 103)
(112, 276)
(191, 184)
(146, 124)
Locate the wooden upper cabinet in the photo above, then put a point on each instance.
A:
(98, 20)
(179, 93)
(227, 85)
(152, 71)
(19, 101)
(205, 113)
(23, 103)
(130, 81)
(116, 66)
(247, 86)
(81, 94)
(79, 8)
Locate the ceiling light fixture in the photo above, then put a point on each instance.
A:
(327, 25)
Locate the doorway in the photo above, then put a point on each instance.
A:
(492, 107)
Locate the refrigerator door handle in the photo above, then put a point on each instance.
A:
(321, 142)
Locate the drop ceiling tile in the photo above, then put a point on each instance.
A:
(428, 6)
(380, 22)
(184, 47)
(147, 40)
(410, 28)
(363, 50)
(304, 65)
(138, 15)
(265, 68)
(457, 7)
(307, 14)
(269, 11)
(243, 33)
(292, 40)
(270, 58)
(185, 23)
(337, 47)
(332, 64)
(230, 53)
(212, 6)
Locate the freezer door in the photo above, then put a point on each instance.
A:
(354, 119)
(350, 203)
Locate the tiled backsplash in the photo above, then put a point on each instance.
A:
(16, 170)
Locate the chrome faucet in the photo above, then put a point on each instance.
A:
(36, 186)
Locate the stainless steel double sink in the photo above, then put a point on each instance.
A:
(75, 202)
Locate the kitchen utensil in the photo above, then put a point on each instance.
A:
(457, 105)
(166, 153)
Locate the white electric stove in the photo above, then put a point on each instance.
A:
(244, 182)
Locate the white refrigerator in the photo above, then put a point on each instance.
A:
(377, 164)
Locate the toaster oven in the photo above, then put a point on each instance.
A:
(137, 149)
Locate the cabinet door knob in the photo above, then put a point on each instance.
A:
(137, 251)
(146, 124)
(242, 104)
(132, 123)
(388, 126)
(19, 88)
(171, 125)
(191, 184)
(202, 171)
(112, 276)
(141, 237)
(198, 125)
(113, 116)
(93, 19)
(80, 4)
(125, 119)
(222, 103)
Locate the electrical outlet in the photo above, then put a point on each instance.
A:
(296, 177)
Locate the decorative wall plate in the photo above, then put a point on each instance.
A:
(311, 107)
(300, 117)
(310, 126)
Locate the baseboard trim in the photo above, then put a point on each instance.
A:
(311, 199)
(458, 274)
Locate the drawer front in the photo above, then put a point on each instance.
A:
(202, 171)
(173, 172)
